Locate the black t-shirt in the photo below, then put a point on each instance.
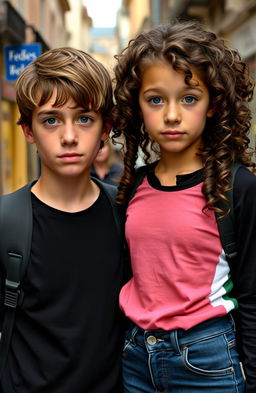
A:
(68, 334)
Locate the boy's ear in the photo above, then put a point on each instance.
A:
(106, 131)
(28, 133)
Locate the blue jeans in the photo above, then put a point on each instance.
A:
(201, 359)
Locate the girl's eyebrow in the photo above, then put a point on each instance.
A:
(197, 88)
(160, 90)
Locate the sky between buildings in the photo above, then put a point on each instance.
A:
(103, 12)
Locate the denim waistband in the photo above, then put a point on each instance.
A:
(179, 337)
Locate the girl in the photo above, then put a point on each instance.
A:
(183, 94)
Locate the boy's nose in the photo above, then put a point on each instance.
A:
(69, 136)
(172, 113)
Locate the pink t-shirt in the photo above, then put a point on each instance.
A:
(180, 274)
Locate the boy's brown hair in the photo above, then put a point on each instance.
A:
(74, 74)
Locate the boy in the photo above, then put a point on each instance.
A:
(67, 331)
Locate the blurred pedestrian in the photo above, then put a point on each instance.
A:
(106, 165)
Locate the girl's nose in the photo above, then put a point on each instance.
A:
(172, 113)
(69, 136)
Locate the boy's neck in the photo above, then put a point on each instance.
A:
(70, 195)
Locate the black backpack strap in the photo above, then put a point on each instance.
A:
(226, 225)
(15, 244)
(140, 173)
(111, 193)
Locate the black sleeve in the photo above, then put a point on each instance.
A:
(244, 271)
(2, 282)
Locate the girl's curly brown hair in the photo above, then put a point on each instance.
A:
(225, 138)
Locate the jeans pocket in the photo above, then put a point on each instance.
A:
(211, 356)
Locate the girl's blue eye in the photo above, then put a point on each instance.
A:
(189, 100)
(156, 100)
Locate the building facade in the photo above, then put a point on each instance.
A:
(78, 24)
(23, 22)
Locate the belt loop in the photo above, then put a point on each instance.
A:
(133, 334)
(175, 341)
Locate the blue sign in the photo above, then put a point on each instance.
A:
(17, 57)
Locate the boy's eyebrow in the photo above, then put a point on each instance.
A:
(49, 112)
(53, 112)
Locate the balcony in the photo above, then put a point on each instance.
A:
(39, 38)
(12, 25)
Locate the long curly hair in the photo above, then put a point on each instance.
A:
(225, 138)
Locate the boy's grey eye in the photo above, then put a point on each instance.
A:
(84, 119)
(50, 121)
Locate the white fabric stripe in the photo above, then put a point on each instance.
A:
(217, 288)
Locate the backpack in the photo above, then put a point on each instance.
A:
(16, 222)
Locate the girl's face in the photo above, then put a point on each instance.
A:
(174, 113)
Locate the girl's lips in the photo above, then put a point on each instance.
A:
(173, 134)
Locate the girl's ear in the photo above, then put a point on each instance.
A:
(210, 112)
(28, 133)
(211, 109)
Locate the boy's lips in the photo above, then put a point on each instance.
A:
(70, 157)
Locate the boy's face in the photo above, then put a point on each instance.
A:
(67, 137)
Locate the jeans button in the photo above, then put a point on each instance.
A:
(151, 340)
